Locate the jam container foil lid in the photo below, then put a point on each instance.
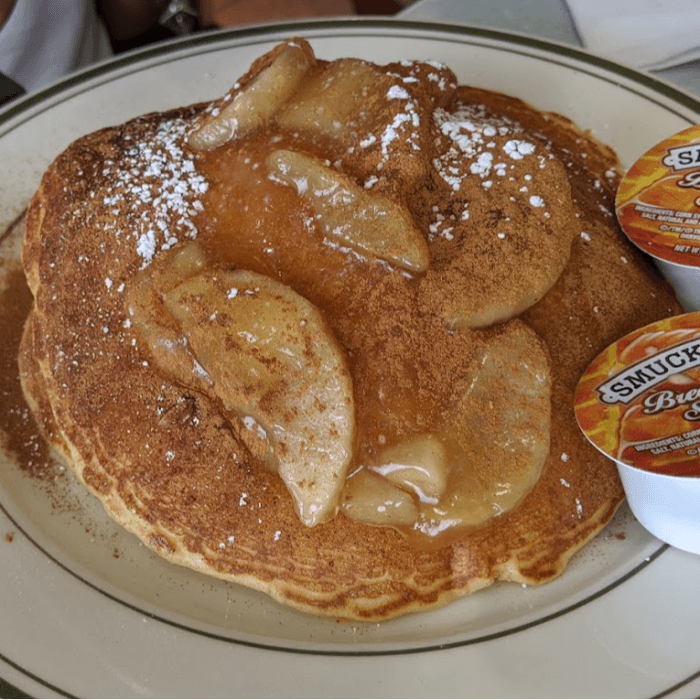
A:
(639, 400)
(658, 200)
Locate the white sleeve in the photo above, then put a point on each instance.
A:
(44, 40)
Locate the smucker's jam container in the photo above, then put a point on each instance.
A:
(639, 403)
(658, 207)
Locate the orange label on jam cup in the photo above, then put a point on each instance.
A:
(658, 200)
(639, 400)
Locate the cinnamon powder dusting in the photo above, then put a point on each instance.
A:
(19, 433)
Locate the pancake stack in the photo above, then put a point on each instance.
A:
(320, 337)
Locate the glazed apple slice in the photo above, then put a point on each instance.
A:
(277, 369)
(369, 223)
(371, 499)
(418, 465)
(484, 457)
(500, 427)
(337, 102)
(156, 329)
(271, 82)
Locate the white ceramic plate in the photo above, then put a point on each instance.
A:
(85, 610)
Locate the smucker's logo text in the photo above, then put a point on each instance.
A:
(682, 157)
(625, 386)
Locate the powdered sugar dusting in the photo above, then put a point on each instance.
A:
(403, 125)
(477, 138)
(160, 188)
(517, 149)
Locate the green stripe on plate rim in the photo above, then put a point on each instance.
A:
(220, 39)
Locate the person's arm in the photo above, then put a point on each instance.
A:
(5, 9)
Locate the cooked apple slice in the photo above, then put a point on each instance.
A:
(490, 292)
(272, 81)
(483, 458)
(156, 329)
(418, 465)
(500, 428)
(371, 499)
(276, 366)
(369, 223)
(338, 101)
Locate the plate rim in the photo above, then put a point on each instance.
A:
(170, 46)
(344, 651)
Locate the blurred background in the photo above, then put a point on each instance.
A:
(230, 13)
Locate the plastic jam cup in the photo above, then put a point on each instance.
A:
(639, 403)
(658, 207)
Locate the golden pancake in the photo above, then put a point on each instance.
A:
(321, 336)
